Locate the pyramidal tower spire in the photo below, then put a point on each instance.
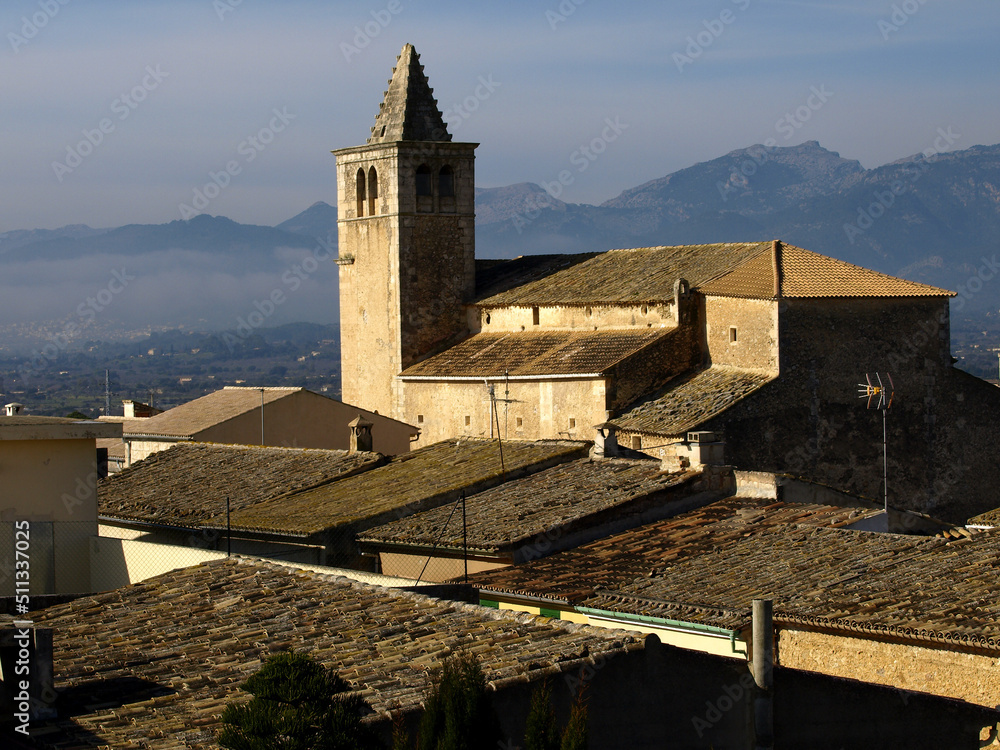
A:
(406, 223)
(409, 111)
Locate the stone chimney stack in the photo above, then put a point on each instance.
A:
(361, 435)
(606, 441)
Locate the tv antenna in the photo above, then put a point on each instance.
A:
(880, 397)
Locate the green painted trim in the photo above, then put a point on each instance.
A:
(649, 620)
(555, 614)
(489, 603)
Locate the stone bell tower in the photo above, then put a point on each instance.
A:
(406, 229)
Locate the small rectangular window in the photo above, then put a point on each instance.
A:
(732, 334)
(534, 316)
(420, 419)
(468, 420)
(519, 423)
(636, 443)
(572, 423)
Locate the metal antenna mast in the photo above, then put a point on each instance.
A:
(881, 395)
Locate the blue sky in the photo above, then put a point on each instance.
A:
(163, 94)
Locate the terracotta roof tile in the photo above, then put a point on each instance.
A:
(911, 586)
(547, 506)
(187, 484)
(804, 273)
(574, 575)
(536, 353)
(124, 683)
(690, 400)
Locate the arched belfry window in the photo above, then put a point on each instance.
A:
(423, 180)
(361, 192)
(446, 182)
(372, 190)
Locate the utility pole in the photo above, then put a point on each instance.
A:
(107, 394)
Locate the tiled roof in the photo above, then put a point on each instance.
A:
(496, 276)
(187, 484)
(989, 518)
(645, 274)
(418, 480)
(648, 274)
(690, 400)
(546, 505)
(409, 111)
(153, 665)
(573, 576)
(924, 587)
(536, 353)
(803, 273)
(187, 420)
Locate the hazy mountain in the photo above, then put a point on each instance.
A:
(319, 221)
(934, 220)
(208, 272)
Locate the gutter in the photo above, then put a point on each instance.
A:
(666, 624)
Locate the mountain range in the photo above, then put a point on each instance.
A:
(932, 217)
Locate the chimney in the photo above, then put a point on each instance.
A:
(361, 435)
(606, 441)
(12, 409)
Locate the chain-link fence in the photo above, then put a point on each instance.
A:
(46, 558)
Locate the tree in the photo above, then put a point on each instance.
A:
(541, 731)
(297, 704)
(459, 713)
(575, 735)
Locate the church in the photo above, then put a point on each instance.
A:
(761, 343)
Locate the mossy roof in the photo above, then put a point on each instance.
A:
(690, 400)
(187, 485)
(540, 508)
(418, 480)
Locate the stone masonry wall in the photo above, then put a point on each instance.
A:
(970, 677)
(753, 344)
(942, 428)
(531, 410)
(587, 318)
